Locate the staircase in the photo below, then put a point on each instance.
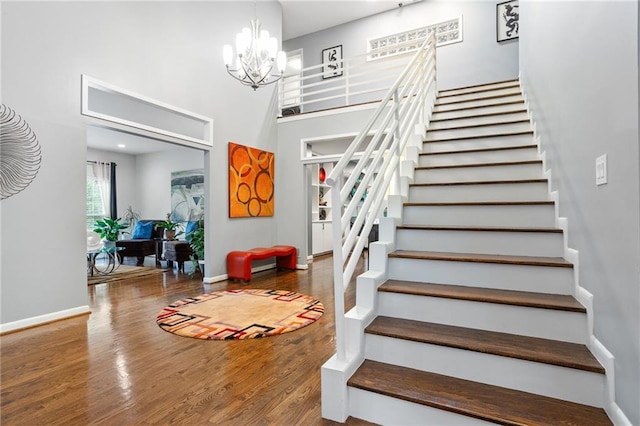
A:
(476, 323)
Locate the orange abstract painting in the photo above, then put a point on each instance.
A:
(251, 181)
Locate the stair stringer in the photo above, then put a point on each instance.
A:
(582, 295)
(335, 373)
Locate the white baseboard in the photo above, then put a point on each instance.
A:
(303, 267)
(218, 278)
(44, 319)
(606, 358)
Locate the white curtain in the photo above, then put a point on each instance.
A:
(102, 172)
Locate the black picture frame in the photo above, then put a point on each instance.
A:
(507, 20)
(332, 62)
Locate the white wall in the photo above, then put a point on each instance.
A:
(153, 178)
(292, 204)
(581, 77)
(170, 51)
(479, 51)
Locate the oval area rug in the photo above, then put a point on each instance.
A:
(240, 314)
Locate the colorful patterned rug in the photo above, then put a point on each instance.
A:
(240, 314)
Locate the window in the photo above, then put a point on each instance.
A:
(95, 206)
(291, 87)
(447, 32)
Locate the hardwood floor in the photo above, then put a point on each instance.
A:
(117, 367)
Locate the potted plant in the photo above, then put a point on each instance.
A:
(170, 227)
(109, 230)
(197, 247)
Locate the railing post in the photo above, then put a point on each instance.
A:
(395, 181)
(345, 70)
(338, 267)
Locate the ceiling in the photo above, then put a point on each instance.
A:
(299, 17)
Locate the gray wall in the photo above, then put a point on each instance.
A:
(582, 81)
(479, 51)
(153, 178)
(170, 51)
(293, 204)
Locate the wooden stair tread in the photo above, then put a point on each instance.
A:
(483, 258)
(486, 402)
(482, 203)
(473, 86)
(494, 135)
(536, 349)
(501, 163)
(463, 108)
(480, 228)
(479, 98)
(474, 151)
(490, 114)
(473, 126)
(560, 302)
(480, 182)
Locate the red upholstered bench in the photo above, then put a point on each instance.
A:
(239, 262)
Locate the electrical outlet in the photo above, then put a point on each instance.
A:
(601, 170)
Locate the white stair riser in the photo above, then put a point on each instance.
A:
(569, 384)
(448, 159)
(484, 242)
(480, 143)
(490, 119)
(526, 321)
(507, 91)
(485, 192)
(476, 103)
(510, 215)
(487, 88)
(478, 131)
(384, 410)
(490, 109)
(540, 279)
(479, 174)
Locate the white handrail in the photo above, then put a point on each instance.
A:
(395, 118)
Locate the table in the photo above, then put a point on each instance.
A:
(107, 260)
(160, 242)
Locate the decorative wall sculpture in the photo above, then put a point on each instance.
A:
(187, 195)
(20, 155)
(251, 181)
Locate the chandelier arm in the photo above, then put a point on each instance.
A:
(231, 73)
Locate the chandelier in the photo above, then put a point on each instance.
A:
(256, 55)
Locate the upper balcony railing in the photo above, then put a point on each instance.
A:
(359, 79)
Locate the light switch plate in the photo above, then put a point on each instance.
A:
(601, 170)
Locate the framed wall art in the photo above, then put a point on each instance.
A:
(251, 181)
(507, 20)
(332, 62)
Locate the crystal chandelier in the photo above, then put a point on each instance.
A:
(256, 55)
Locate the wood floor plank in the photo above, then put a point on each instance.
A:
(487, 402)
(117, 367)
